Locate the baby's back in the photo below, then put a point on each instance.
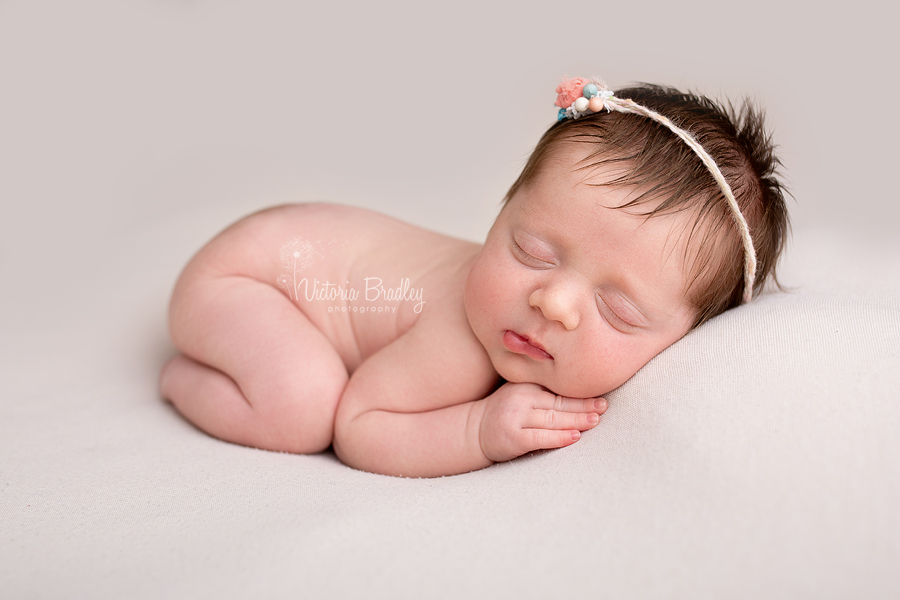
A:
(362, 278)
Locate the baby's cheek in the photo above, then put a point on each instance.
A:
(481, 292)
(601, 367)
(476, 304)
(631, 360)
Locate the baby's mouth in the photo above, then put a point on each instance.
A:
(522, 345)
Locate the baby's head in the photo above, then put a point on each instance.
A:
(617, 238)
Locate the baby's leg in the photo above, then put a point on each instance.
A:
(257, 372)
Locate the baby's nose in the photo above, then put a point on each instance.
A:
(556, 304)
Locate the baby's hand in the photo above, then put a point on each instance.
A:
(521, 417)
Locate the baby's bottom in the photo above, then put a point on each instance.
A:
(255, 371)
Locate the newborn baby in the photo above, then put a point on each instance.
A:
(417, 354)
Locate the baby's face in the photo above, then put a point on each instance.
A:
(572, 295)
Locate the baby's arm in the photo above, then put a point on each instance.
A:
(420, 408)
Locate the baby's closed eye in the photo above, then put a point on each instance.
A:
(619, 317)
(531, 255)
(529, 260)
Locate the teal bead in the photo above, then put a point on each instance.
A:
(590, 90)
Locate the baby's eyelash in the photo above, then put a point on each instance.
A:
(528, 256)
(625, 324)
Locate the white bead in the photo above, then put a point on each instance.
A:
(581, 104)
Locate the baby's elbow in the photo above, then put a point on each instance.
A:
(361, 439)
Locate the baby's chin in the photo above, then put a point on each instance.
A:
(569, 389)
(579, 391)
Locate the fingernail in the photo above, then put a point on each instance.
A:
(593, 418)
(576, 435)
(600, 404)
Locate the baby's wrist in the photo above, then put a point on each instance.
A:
(473, 429)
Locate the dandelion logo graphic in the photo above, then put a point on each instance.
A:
(296, 255)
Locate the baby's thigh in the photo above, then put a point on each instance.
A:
(285, 367)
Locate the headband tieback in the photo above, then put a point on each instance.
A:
(579, 97)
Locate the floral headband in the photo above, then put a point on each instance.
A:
(579, 97)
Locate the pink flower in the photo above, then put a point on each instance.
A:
(569, 91)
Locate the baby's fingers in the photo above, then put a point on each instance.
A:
(559, 420)
(545, 439)
(572, 405)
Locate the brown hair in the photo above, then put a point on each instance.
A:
(669, 174)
